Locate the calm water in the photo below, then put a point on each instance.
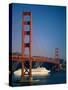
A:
(52, 78)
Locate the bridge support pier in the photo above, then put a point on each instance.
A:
(58, 67)
(22, 70)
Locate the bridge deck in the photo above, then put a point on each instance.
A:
(37, 59)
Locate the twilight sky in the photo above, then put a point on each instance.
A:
(48, 29)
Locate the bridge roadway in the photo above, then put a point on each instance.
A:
(34, 58)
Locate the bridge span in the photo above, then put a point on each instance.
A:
(35, 58)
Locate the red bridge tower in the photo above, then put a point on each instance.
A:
(28, 45)
(57, 57)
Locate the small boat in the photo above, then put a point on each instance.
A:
(39, 71)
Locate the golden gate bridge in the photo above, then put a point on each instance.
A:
(30, 58)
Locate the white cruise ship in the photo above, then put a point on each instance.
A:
(39, 71)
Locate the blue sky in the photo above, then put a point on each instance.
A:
(48, 29)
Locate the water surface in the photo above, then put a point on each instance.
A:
(52, 78)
